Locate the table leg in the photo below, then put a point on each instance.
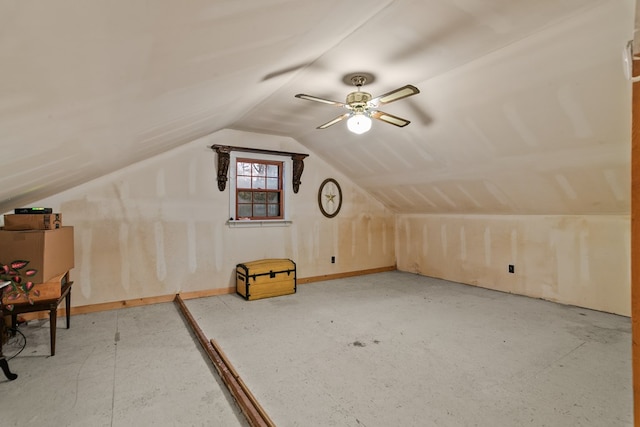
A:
(4, 365)
(53, 317)
(68, 305)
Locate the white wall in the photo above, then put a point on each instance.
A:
(578, 260)
(158, 227)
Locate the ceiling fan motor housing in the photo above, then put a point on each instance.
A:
(358, 100)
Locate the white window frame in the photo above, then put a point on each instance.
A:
(287, 168)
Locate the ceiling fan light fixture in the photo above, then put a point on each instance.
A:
(359, 123)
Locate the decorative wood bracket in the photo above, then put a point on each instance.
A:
(223, 163)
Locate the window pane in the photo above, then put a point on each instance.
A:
(272, 170)
(259, 169)
(273, 197)
(274, 210)
(272, 183)
(244, 211)
(244, 182)
(259, 197)
(244, 168)
(244, 197)
(259, 210)
(257, 183)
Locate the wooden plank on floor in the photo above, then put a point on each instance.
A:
(253, 412)
(241, 383)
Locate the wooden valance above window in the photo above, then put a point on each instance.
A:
(223, 162)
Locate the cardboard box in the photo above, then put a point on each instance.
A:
(15, 222)
(48, 290)
(48, 251)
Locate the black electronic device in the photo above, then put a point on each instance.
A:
(33, 210)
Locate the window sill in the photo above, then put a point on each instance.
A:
(248, 223)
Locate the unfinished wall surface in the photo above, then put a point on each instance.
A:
(159, 227)
(578, 260)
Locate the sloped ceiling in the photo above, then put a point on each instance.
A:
(523, 108)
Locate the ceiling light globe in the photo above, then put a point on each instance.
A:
(359, 123)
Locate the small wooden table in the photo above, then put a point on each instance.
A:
(50, 305)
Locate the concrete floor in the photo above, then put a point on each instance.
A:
(131, 367)
(388, 349)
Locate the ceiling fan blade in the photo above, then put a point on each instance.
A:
(394, 95)
(390, 118)
(316, 99)
(334, 121)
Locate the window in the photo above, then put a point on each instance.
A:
(260, 188)
(259, 191)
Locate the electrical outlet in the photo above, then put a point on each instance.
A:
(512, 268)
(333, 260)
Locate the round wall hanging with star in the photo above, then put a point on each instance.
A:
(330, 197)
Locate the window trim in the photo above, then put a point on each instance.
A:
(279, 190)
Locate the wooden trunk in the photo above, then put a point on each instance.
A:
(266, 278)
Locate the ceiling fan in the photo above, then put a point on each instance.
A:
(362, 106)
